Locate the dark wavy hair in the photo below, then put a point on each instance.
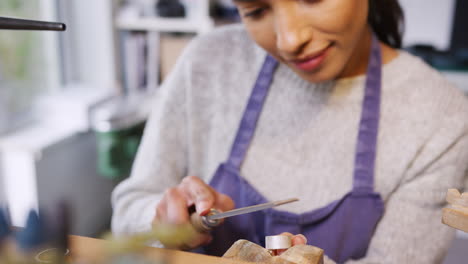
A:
(387, 20)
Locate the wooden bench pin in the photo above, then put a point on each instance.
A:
(456, 215)
(246, 251)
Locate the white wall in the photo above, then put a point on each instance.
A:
(2, 185)
(95, 20)
(428, 22)
(89, 42)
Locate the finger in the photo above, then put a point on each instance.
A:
(161, 210)
(280, 251)
(223, 202)
(199, 193)
(176, 208)
(287, 234)
(298, 239)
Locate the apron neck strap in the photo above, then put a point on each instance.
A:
(364, 164)
(366, 147)
(252, 112)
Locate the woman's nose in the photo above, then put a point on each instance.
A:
(291, 33)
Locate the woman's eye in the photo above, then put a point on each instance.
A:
(256, 13)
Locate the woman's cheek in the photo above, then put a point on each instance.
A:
(338, 18)
(264, 35)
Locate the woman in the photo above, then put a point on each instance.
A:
(368, 137)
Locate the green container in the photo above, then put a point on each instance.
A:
(118, 125)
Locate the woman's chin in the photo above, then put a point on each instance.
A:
(317, 76)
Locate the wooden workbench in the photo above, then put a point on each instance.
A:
(90, 250)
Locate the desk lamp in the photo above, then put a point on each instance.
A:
(25, 24)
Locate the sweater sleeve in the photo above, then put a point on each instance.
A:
(161, 161)
(410, 230)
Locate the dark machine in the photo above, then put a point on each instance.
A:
(456, 58)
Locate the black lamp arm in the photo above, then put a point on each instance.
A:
(25, 24)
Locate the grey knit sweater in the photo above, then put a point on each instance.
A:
(305, 142)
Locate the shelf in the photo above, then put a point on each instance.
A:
(185, 25)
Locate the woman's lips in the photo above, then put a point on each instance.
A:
(312, 62)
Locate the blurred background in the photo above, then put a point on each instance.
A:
(73, 104)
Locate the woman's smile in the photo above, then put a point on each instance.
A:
(313, 61)
(319, 40)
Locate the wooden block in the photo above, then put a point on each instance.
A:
(303, 254)
(456, 216)
(247, 251)
(455, 198)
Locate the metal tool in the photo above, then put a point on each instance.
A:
(215, 217)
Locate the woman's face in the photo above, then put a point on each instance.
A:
(319, 39)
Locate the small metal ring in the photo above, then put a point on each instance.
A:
(38, 256)
(277, 242)
(212, 223)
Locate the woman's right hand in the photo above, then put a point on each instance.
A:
(192, 191)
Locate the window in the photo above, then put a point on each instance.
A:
(25, 69)
(38, 63)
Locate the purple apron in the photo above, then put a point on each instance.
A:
(344, 227)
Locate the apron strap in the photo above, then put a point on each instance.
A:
(248, 124)
(364, 165)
